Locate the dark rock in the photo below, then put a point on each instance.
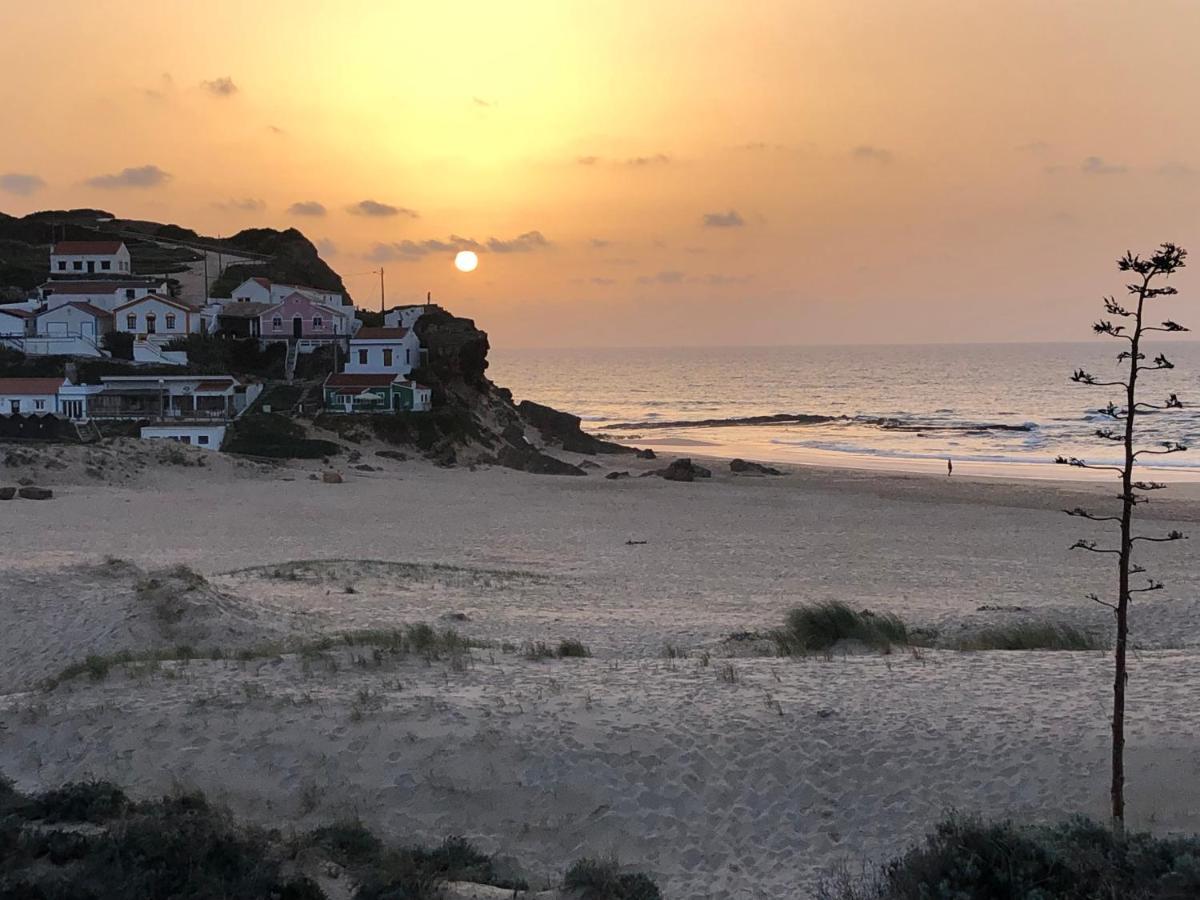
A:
(563, 429)
(613, 476)
(331, 477)
(647, 453)
(456, 617)
(35, 493)
(588, 464)
(397, 455)
(742, 467)
(365, 467)
(25, 482)
(683, 470)
(530, 460)
(7, 493)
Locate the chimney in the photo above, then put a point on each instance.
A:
(72, 372)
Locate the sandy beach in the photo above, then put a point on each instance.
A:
(721, 772)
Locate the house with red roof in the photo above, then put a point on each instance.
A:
(157, 316)
(29, 396)
(79, 258)
(74, 320)
(16, 321)
(376, 376)
(106, 294)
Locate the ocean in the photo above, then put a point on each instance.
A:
(1011, 407)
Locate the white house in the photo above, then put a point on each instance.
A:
(157, 315)
(104, 294)
(383, 350)
(16, 321)
(29, 396)
(90, 258)
(263, 290)
(74, 320)
(404, 316)
(206, 437)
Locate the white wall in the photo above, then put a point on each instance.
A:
(280, 292)
(70, 321)
(401, 364)
(109, 300)
(163, 313)
(77, 263)
(206, 437)
(251, 290)
(10, 324)
(27, 404)
(403, 317)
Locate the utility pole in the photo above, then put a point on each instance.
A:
(206, 276)
(381, 289)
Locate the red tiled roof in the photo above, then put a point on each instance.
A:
(89, 248)
(28, 386)
(263, 282)
(216, 385)
(352, 380)
(17, 311)
(93, 311)
(371, 333)
(169, 301)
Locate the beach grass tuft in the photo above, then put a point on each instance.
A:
(1032, 636)
(821, 626)
(602, 879)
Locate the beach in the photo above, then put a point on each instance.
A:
(722, 772)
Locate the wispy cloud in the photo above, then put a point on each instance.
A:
(869, 153)
(479, 101)
(1037, 147)
(1176, 170)
(658, 159)
(377, 209)
(220, 87)
(244, 204)
(718, 280)
(587, 160)
(147, 176)
(523, 243)
(598, 243)
(20, 183)
(730, 219)
(1096, 165)
(667, 277)
(275, 129)
(306, 208)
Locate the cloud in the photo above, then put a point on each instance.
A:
(220, 87)
(1176, 170)
(658, 159)
(137, 177)
(1096, 165)
(668, 277)
(587, 160)
(20, 183)
(377, 209)
(524, 243)
(306, 208)
(326, 247)
(603, 281)
(729, 219)
(868, 153)
(166, 86)
(717, 280)
(245, 204)
(600, 242)
(1034, 147)
(409, 251)
(479, 101)
(275, 129)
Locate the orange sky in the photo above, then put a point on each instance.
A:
(664, 172)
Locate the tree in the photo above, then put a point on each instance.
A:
(1146, 286)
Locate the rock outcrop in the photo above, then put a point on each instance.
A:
(745, 467)
(563, 430)
(683, 470)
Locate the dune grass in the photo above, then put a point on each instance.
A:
(593, 878)
(821, 626)
(1078, 859)
(1031, 636)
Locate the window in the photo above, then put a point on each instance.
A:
(131, 321)
(39, 404)
(105, 265)
(387, 357)
(317, 322)
(407, 354)
(62, 265)
(77, 265)
(170, 321)
(362, 357)
(129, 293)
(277, 323)
(202, 439)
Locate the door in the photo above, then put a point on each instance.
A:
(297, 326)
(151, 323)
(14, 406)
(88, 329)
(91, 266)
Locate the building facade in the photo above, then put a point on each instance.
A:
(68, 258)
(156, 315)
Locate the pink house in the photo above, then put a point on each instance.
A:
(299, 318)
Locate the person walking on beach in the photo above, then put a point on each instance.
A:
(949, 467)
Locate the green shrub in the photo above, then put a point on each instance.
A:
(277, 436)
(573, 648)
(348, 841)
(1032, 636)
(1076, 860)
(820, 626)
(119, 344)
(602, 879)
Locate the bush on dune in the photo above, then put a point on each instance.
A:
(602, 879)
(810, 629)
(1032, 636)
(1076, 860)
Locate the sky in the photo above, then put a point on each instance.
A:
(671, 172)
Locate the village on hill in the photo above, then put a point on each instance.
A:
(95, 313)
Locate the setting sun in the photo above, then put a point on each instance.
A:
(466, 261)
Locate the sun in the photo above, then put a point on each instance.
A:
(466, 261)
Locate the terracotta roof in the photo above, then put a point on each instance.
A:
(89, 248)
(264, 282)
(94, 311)
(216, 385)
(99, 287)
(244, 310)
(170, 301)
(353, 380)
(373, 333)
(18, 312)
(27, 386)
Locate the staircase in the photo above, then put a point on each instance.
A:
(289, 364)
(88, 432)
